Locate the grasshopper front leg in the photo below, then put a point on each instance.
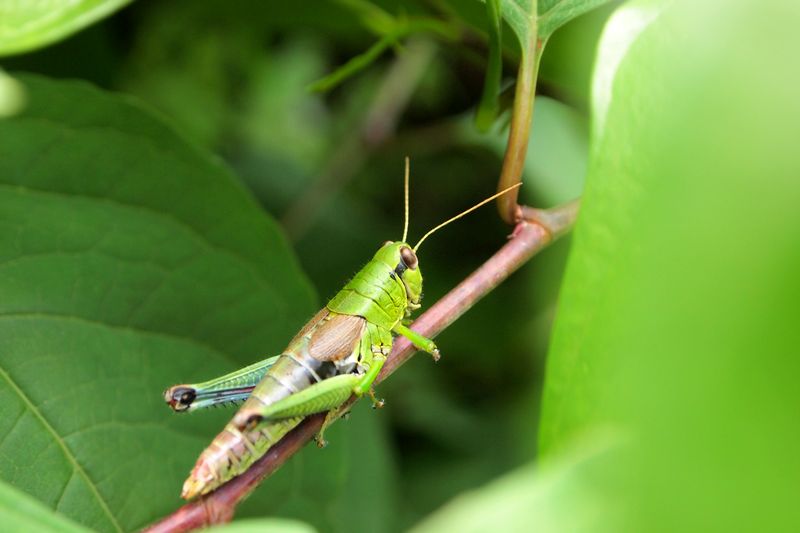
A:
(420, 341)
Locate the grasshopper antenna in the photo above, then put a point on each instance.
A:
(461, 214)
(405, 225)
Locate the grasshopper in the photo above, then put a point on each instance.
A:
(338, 353)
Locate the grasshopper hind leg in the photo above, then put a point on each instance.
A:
(327, 395)
(230, 388)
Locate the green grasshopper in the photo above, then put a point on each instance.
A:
(338, 353)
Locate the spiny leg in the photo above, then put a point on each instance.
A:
(232, 387)
(320, 397)
(420, 341)
(317, 398)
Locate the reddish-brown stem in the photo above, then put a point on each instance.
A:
(536, 231)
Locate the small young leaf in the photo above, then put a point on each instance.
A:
(555, 13)
(551, 14)
(519, 15)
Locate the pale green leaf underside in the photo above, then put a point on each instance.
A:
(518, 15)
(555, 13)
(28, 25)
(552, 14)
(128, 262)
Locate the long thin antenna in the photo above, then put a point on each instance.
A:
(405, 226)
(461, 214)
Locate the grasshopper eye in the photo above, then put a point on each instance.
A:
(409, 257)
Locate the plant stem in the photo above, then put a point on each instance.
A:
(538, 229)
(521, 119)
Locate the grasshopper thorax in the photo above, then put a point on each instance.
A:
(400, 257)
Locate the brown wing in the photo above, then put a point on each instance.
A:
(336, 337)
(324, 312)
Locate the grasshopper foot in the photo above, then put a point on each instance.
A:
(377, 403)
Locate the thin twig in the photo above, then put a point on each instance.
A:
(529, 237)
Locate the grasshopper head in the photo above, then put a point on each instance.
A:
(402, 259)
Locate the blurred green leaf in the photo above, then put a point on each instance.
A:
(263, 525)
(677, 327)
(530, 499)
(20, 513)
(557, 151)
(128, 261)
(28, 25)
(12, 95)
(371, 15)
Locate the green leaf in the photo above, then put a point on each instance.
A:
(263, 525)
(555, 13)
(528, 499)
(550, 15)
(519, 15)
(677, 325)
(26, 26)
(12, 95)
(20, 512)
(129, 261)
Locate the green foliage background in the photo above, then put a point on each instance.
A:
(140, 189)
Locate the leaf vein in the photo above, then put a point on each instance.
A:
(129, 328)
(67, 452)
(199, 237)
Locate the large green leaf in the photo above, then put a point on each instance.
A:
(128, 261)
(677, 328)
(28, 25)
(19, 513)
(670, 400)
